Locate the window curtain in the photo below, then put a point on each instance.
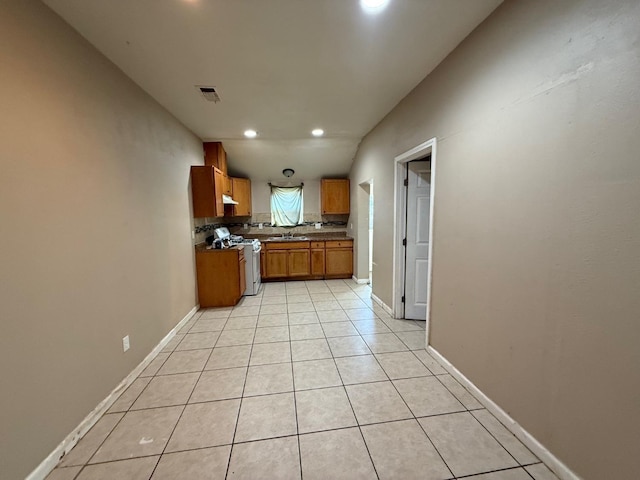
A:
(286, 206)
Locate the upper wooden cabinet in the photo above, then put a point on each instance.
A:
(207, 185)
(215, 156)
(334, 193)
(228, 186)
(241, 192)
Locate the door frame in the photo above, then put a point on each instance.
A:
(399, 225)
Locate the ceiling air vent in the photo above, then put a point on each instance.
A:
(209, 93)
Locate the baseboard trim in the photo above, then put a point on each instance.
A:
(49, 463)
(550, 460)
(384, 306)
(360, 281)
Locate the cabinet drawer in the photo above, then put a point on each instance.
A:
(339, 244)
(317, 244)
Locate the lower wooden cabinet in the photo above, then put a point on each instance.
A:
(298, 263)
(317, 260)
(289, 260)
(276, 263)
(221, 276)
(339, 262)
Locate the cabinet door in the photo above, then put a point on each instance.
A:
(276, 264)
(339, 261)
(242, 195)
(219, 187)
(211, 154)
(206, 191)
(317, 261)
(228, 186)
(222, 159)
(299, 265)
(215, 156)
(335, 196)
(243, 275)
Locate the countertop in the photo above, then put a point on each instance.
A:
(203, 247)
(312, 237)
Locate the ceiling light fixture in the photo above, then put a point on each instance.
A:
(373, 6)
(318, 132)
(288, 172)
(250, 133)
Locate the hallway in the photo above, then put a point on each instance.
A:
(307, 380)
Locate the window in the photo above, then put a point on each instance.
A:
(286, 206)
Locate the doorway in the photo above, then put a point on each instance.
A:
(423, 236)
(365, 233)
(371, 234)
(416, 238)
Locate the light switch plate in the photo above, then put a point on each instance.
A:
(260, 226)
(125, 343)
(318, 226)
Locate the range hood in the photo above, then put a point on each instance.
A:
(227, 200)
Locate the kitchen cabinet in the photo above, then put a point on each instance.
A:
(241, 193)
(221, 276)
(227, 186)
(215, 156)
(298, 263)
(207, 185)
(276, 264)
(287, 260)
(334, 194)
(317, 259)
(339, 259)
(307, 259)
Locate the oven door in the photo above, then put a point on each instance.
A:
(256, 271)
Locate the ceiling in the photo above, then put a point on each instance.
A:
(281, 67)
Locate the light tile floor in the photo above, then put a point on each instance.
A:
(306, 380)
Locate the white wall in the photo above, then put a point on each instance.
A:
(536, 276)
(95, 219)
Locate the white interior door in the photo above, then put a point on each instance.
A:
(417, 248)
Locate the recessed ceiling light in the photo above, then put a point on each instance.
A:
(373, 6)
(318, 132)
(250, 133)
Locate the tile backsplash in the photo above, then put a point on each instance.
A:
(330, 223)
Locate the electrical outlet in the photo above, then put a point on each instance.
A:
(193, 234)
(125, 343)
(260, 226)
(245, 226)
(318, 226)
(352, 226)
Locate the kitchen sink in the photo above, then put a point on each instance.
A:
(288, 239)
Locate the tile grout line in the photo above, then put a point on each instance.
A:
(244, 385)
(413, 414)
(344, 388)
(164, 449)
(295, 400)
(125, 412)
(290, 342)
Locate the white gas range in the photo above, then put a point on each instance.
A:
(252, 249)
